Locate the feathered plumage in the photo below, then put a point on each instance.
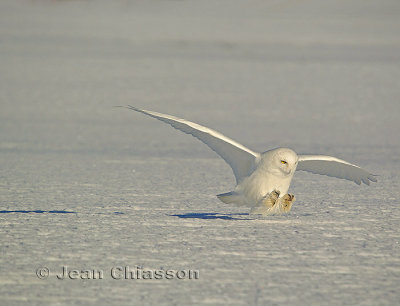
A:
(260, 175)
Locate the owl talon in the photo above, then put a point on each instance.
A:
(287, 201)
(275, 193)
(270, 199)
(272, 204)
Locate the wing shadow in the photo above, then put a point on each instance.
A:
(38, 211)
(206, 216)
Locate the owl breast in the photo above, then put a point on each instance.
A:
(257, 185)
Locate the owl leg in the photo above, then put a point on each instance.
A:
(287, 201)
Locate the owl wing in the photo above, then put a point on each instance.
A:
(241, 159)
(332, 166)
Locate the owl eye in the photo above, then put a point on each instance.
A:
(283, 162)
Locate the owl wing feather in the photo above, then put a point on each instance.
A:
(241, 159)
(335, 167)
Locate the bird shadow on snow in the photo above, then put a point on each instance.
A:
(237, 216)
(211, 216)
(38, 211)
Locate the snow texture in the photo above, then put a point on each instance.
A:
(89, 186)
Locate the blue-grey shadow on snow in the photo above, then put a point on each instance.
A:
(38, 211)
(210, 216)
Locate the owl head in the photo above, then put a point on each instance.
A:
(284, 161)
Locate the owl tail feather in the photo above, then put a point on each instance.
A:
(230, 197)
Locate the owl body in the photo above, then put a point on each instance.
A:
(274, 171)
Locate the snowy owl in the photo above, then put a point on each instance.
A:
(263, 179)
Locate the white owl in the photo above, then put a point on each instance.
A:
(263, 179)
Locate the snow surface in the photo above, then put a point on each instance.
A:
(90, 186)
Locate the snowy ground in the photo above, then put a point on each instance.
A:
(89, 186)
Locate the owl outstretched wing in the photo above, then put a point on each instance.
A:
(335, 167)
(241, 159)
